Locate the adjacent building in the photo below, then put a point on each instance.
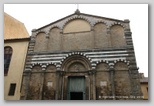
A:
(16, 39)
(81, 57)
(144, 86)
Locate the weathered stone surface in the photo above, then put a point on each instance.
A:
(101, 38)
(117, 36)
(100, 54)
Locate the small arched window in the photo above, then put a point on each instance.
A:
(7, 58)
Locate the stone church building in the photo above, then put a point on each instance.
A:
(81, 57)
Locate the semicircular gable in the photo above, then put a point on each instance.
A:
(76, 25)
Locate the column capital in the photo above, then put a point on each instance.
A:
(60, 72)
(93, 71)
(111, 66)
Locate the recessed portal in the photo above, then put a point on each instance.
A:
(76, 88)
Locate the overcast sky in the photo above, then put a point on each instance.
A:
(38, 15)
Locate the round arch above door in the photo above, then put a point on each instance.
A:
(76, 63)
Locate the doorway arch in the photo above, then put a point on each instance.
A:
(77, 61)
(76, 77)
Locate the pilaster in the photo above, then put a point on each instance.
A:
(112, 73)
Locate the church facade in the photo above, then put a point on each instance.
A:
(81, 57)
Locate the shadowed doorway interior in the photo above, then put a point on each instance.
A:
(76, 95)
(76, 88)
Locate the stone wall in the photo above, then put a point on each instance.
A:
(101, 51)
(49, 86)
(78, 41)
(77, 25)
(103, 82)
(35, 84)
(117, 36)
(122, 80)
(54, 40)
(99, 36)
(40, 43)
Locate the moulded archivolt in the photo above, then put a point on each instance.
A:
(102, 61)
(122, 60)
(72, 58)
(54, 26)
(101, 21)
(117, 23)
(76, 53)
(74, 18)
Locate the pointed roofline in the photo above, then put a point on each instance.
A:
(13, 31)
(77, 13)
(13, 18)
(54, 22)
(102, 17)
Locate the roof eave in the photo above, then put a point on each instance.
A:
(78, 14)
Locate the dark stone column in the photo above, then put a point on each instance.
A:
(93, 81)
(61, 84)
(112, 71)
(65, 87)
(57, 84)
(87, 87)
(94, 86)
(42, 83)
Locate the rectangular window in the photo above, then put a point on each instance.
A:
(12, 89)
